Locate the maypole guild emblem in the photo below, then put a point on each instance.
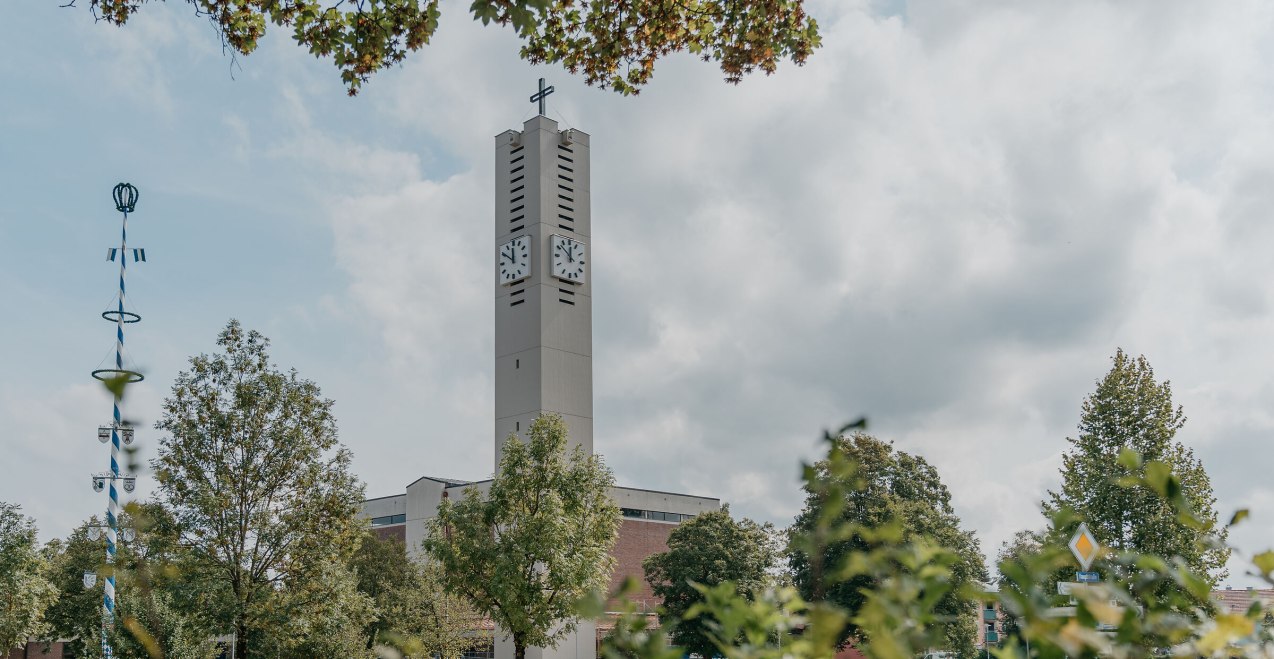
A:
(1084, 546)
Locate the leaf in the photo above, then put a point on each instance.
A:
(1239, 515)
(1229, 628)
(1129, 458)
(1264, 562)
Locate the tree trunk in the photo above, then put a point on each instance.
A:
(519, 646)
(240, 638)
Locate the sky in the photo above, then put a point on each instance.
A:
(948, 221)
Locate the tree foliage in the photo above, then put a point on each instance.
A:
(537, 543)
(894, 496)
(25, 589)
(1132, 413)
(708, 550)
(415, 613)
(912, 573)
(615, 43)
(381, 567)
(428, 620)
(263, 499)
(156, 609)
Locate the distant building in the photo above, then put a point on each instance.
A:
(989, 625)
(1237, 600)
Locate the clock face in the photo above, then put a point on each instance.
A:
(514, 260)
(568, 259)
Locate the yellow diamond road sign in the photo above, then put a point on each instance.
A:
(1084, 546)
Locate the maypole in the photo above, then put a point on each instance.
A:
(125, 196)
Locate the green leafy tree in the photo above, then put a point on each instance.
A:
(316, 613)
(156, 608)
(911, 573)
(891, 493)
(537, 544)
(262, 494)
(415, 613)
(708, 550)
(428, 620)
(25, 589)
(381, 566)
(1014, 554)
(614, 43)
(1132, 413)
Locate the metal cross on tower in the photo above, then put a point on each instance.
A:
(125, 196)
(542, 94)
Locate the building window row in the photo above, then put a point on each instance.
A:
(656, 515)
(389, 519)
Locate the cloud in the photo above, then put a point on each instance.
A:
(948, 221)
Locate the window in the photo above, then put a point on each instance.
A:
(486, 651)
(389, 519)
(655, 515)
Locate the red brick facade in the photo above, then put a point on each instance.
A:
(396, 531)
(637, 540)
(36, 650)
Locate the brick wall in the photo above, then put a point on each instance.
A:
(398, 531)
(637, 540)
(37, 651)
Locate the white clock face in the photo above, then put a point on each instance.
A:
(514, 259)
(568, 259)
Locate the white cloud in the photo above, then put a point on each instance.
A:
(947, 221)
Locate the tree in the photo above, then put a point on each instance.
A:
(1131, 411)
(154, 603)
(614, 43)
(429, 620)
(710, 549)
(261, 492)
(25, 589)
(1016, 552)
(381, 566)
(894, 493)
(415, 613)
(537, 543)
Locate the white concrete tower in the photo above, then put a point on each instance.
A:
(543, 288)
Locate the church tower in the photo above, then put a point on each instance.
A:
(544, 357)
(543, 289)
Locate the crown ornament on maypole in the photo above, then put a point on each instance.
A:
(118, 432)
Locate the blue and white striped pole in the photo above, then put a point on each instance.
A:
(125, 196)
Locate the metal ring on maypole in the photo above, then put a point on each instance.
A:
(115, 316)
(132, 376)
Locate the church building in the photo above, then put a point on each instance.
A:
(543, 292)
